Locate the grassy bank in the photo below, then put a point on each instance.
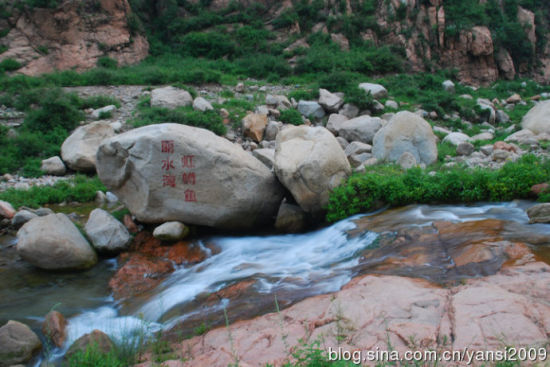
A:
(80, 189)
(389, 185)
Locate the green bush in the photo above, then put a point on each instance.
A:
(358, 97)
(389, 185)
(212, 45)
(9, 65)
(57, 109)
(210, 120)
(107, 62)
(291, 116)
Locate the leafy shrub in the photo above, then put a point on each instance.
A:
(389, 185)
(107, 62)
(57, 109)
(291, 116)
(9, 65)
(262, 65)
(212, 45)
(358, 97)
(210, 120)
(98, 101)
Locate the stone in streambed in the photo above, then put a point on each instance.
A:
(53, 242)
(171, 231)
(54, 328)
(18, 343)
(107, 234)
(96, 339)
(539, 213)
(172, 172)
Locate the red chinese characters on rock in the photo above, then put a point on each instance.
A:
(188, 177)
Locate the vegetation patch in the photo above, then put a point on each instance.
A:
(389, 185)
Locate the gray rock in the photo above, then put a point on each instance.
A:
(80, 148)
(53, 166)
(53, 242)
(502, 117)
(487, 149)
(189, 175)
(406, 132)
(171, 231)
(278, 101)
(377, 107)
(376, 90)
(482, 136)
(271, 130)
(465, 149)
(111, 198)
(362, 128)
(343, 142)
(22, 217)
(356, 160)
(407, 161)
(349, 110)
(357, 147)
(456, 138)
(42, 212)
(524, 136)
(500, 155)
(266, 156)
(329, 101)
(201, 104)
(107, 109)
(539, 213)
(107, 234)
(335, 121)
(311, 109)
(392, 104)
(290, 218)
(170, 97)
(310, 163)
(6, 210)
(448, 86)
(537, 119)
(18, 343)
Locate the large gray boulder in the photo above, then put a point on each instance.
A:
(172, 172)
(170, 97)
(376, 90)
(406, 132)
(538, 118)
(53, 242)
(18, 343)
(309, 162)
(107, 234)
(362, 128)
(80, 148)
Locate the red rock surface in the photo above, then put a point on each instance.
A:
(54, 328)
(490, 313)
(75, 35)
(149, 262)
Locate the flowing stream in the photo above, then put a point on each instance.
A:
(293, 266)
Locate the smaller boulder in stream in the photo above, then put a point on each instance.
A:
(18, 344)
(53, 242)
(107, 234)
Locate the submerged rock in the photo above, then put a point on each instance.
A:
(310, 162)
(18, 343)
(172, 172)
(53, 242)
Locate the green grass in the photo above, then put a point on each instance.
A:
(389, 185)
(81, 189)
(291, 116)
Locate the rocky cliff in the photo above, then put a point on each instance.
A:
(71, 35)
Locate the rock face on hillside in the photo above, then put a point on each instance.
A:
(72, 36)
(172, 172)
